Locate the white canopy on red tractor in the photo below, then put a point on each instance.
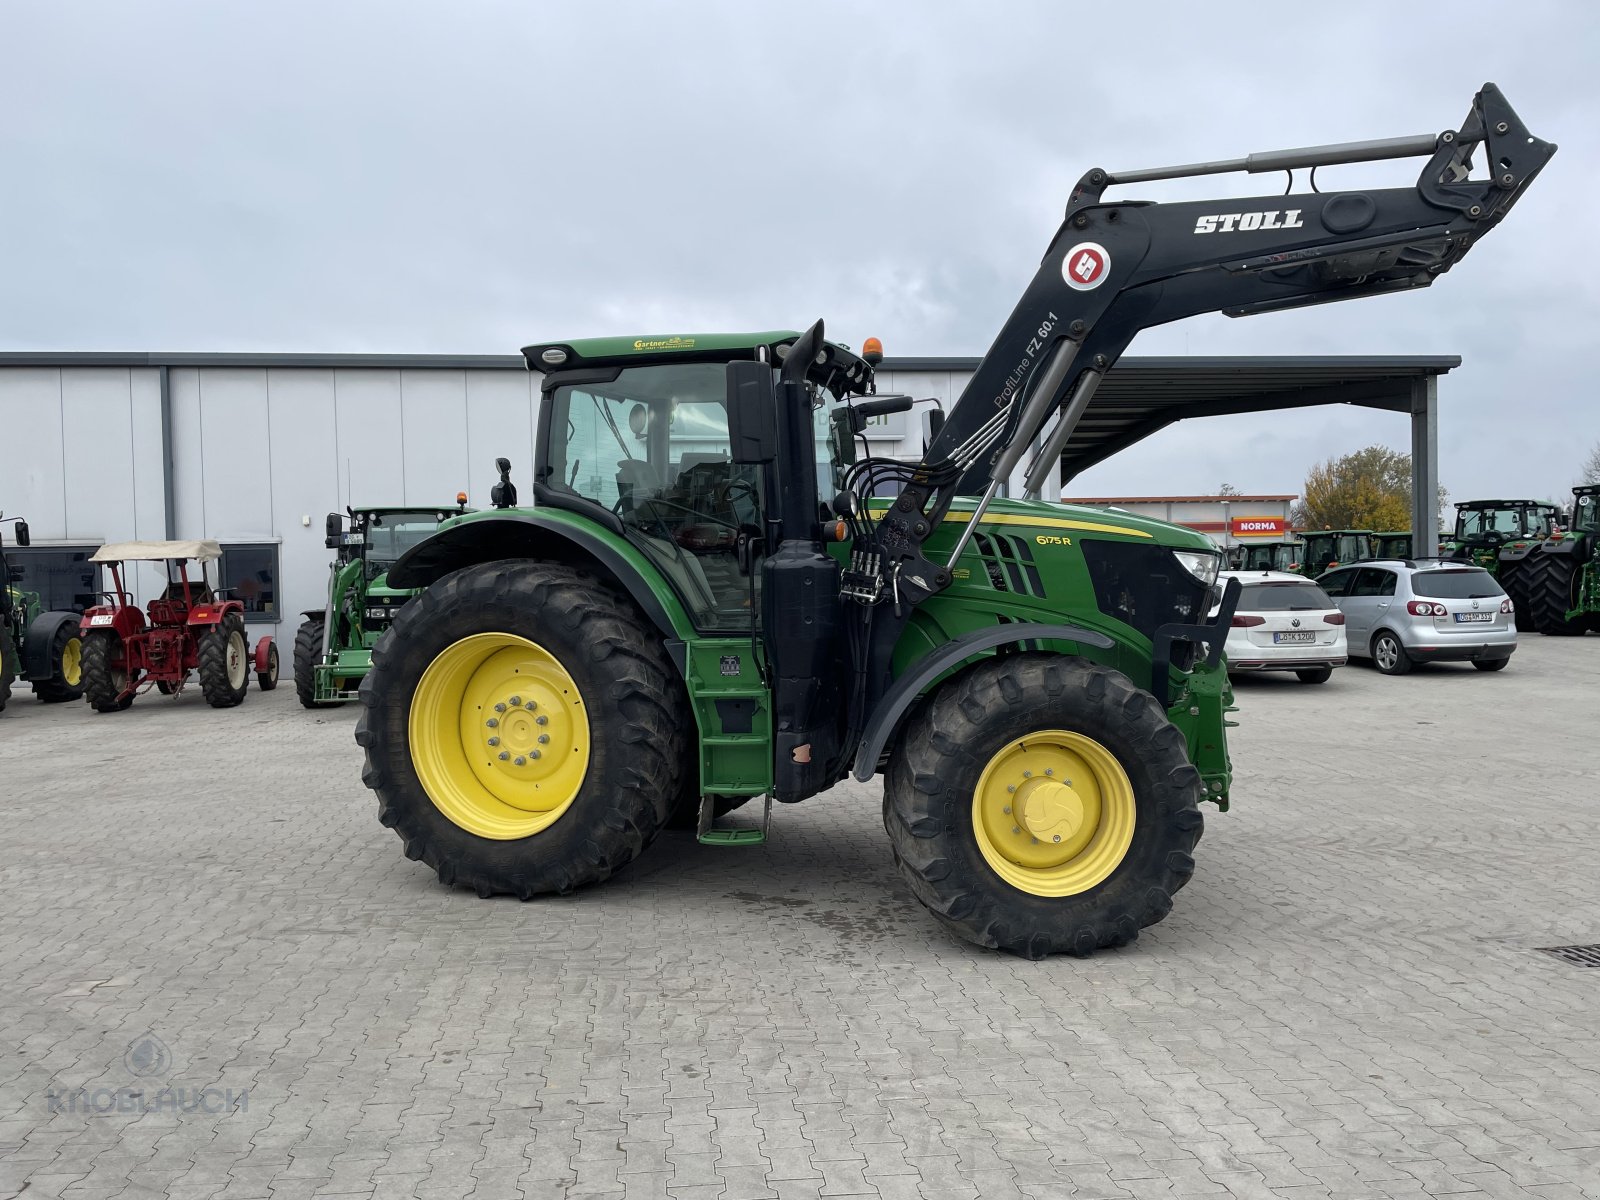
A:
(200, 551)
(156, 552)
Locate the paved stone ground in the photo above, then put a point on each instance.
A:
(1346, 1001)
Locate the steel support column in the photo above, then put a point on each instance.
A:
(1425, 465)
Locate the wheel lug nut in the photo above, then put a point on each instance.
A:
(541, 720)
(1049, 770)
(494, 741)
(1016, 829)
(1011, 787)
(1007, 810)
(1057, 838)
(518, 761)
(533, 754)
(1035, 841)
(504, 756)
(494, 722)
(499, 708)
(532, 705)
(515, 701)
(544, 739)
(1027, 774)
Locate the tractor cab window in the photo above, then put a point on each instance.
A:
(1586, 514)
(1508, 522)
(388, 535)
(651, 447)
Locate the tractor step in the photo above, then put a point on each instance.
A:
(737, 836)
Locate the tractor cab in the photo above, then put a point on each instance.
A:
(1269, 556)
(1393, 544)
(1326, 549)
(1484, 526)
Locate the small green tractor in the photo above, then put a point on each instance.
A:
(1394, 544)
(333, 646)
(1326, 549)
(714, 598)
(1268, 556)
(37, 647)
(1562, 579)
(1504, 537)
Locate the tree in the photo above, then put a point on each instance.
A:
(1227, 489)
(1370, 489)
(1590, 471)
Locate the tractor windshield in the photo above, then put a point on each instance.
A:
(391, 534)
(1510, 521)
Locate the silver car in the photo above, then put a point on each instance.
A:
(1403, 612)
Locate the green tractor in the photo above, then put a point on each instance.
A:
(37, 647)
(712, 599)
(1504, 538)
(333, 647)
(1325, 549)
(1562, 579)
(1395, 544)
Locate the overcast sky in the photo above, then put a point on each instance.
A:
(470, 177)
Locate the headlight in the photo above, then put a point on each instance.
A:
(1202, 564)
(377, 614)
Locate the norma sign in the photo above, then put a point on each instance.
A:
(1259, 527)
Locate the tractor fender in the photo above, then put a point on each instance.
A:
(534, 535)
(1514, 553)
(126, 622)
(36, 662)
(261, 654)
(903, 693)
(206, 615)
(1572, 547)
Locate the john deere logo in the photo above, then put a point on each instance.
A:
(147, 1055)
(671, 343)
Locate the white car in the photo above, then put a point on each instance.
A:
(1285, 622)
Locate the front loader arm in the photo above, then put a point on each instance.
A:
(1114, 268)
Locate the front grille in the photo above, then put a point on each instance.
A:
(1009, 562)
(1142, 585)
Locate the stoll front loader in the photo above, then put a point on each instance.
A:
(1562, 578)
(39, 647)
(1503, 537)
(333, 646)
(689, 614)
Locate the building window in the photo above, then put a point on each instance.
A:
(249, 573)
(62, 575)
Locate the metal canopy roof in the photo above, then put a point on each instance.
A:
(1142, 396)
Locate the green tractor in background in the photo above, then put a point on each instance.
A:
(38, 647)
(1326, 549)
(333, 647)
(1268, 556)
(1504, 538)
(1394, 544)
(1562, 578)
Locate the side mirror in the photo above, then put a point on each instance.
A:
(22, 536)
(935, 423)
(752, 413)
(333, 531)
(504, 493)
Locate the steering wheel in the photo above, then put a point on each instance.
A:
(1493, 538)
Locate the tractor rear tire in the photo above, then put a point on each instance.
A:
(1314, 675)
(1553, 589)
(103, 680)
(1514, 577)
(1136, 822)
(307, 653)
(553, 639)
(225, 662)
(66, 667)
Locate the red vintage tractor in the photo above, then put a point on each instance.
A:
(189, 628)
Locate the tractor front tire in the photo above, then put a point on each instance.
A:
(524, 729)
(1042, 805)
(103, 679)
(1553, 591)
(66, 667)
(224, 662)
(307, 654)
(267, 679)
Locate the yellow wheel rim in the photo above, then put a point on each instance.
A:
(1054, 813)
(499, 736)
(72, 663)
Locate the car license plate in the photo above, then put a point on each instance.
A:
(1304, 636)
(1474, 617)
